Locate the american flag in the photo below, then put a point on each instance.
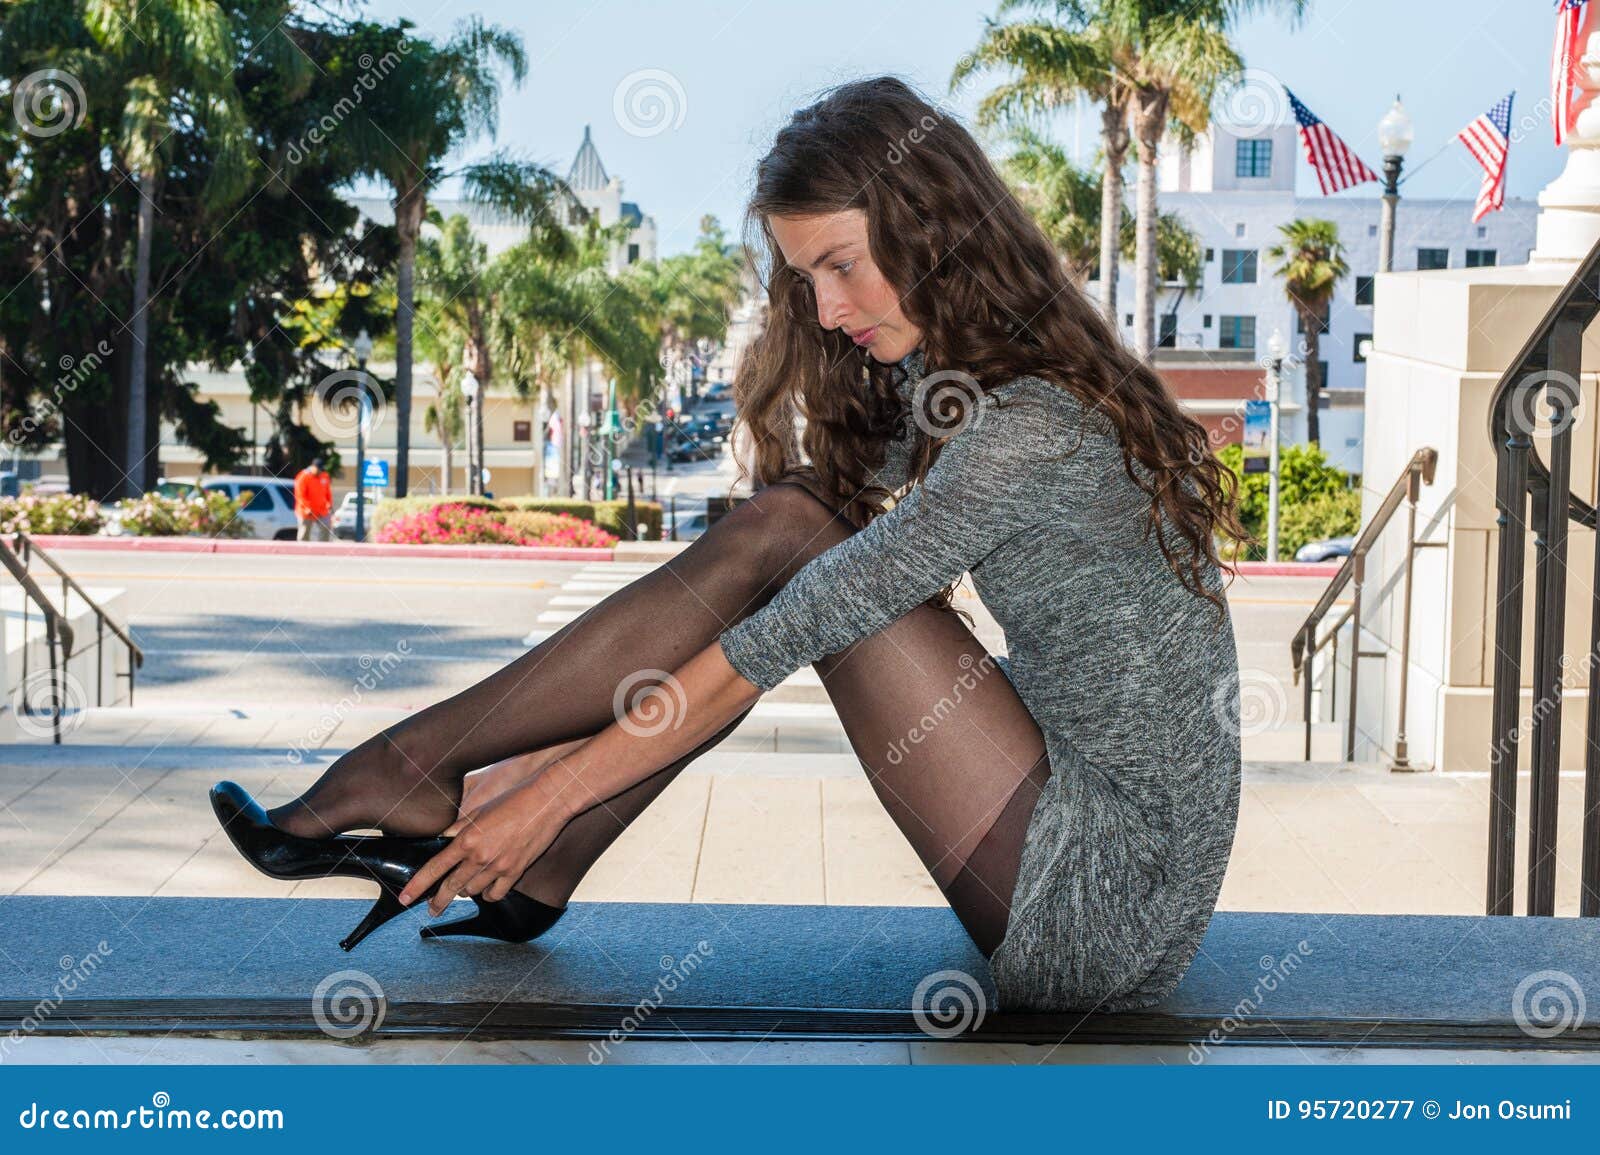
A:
(1337, 167)
(1488, 139)
(1564, 62)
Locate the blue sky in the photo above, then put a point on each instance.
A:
(732, 72)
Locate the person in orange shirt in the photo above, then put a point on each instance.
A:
(313, 502)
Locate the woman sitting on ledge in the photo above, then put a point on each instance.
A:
(1077, 811)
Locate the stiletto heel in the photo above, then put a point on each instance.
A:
(514, 918)
(389, 860)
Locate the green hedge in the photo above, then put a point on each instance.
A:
(1315, 499)
(611, 516)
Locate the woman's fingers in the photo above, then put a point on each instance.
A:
(432, 870)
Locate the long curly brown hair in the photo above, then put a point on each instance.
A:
(976, 274)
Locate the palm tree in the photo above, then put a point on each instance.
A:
(433, 100)
(1312, 266)
(1064, 199)
(444, 417)
(179, 55)
(1056, 65)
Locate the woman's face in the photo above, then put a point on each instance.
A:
(831, 252)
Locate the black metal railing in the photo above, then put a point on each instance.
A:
(1546, 369)
(17, 557)
(1309, 642)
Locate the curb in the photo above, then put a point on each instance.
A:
(1305, 569)
(65, 541)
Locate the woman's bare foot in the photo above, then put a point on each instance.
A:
(493, 780)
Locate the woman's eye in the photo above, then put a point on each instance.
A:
(844, 267)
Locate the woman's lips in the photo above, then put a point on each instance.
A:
(865, 338)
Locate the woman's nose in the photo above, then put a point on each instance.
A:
(829, 310)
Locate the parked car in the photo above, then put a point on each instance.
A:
(1332, 548)
(344, 518)
(717, 391)
(690, 520)
(170, 487)
(688, 447)
(265, 503)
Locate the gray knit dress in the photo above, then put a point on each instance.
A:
(1132, 678)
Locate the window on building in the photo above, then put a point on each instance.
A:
(1372, 230)
(1322, 319)
(1169, 331)
(1127, 319)
(1205, 321)
(1238, 266)
(1480, 258)
(522, 431)
(1238, 229)
(1252, 159)
(1360, 340)
(1433, 258)
(574, 214)
(1211, 255)
(1236, 333)
(1483, 231)
(1364, 287)
(633, 254)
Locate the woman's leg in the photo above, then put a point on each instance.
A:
(952, 752)
(407, 778)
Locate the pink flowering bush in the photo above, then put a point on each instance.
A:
(52, 513)
(452, 523)
(212, 514)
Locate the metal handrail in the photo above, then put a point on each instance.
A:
(1548, 365)
(1306, 644)
(17, 558)
(58, 632)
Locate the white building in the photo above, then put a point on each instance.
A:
(1234, 188)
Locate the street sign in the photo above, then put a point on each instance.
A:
(376, 473)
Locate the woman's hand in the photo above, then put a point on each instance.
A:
(492, 846)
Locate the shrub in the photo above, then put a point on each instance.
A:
(453, 523)
(461, 523)
(53, 513)
(611, 516)
(542, 528)
(210, 514)
(392, 508)
(1324, 516)
(1305, 479)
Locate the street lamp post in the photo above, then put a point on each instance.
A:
(1394, 137)
(469, 389)
(1275, 351)
(362, 349)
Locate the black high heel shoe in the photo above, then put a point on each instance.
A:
(514, 918)
(390, 860)
(387, 859)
